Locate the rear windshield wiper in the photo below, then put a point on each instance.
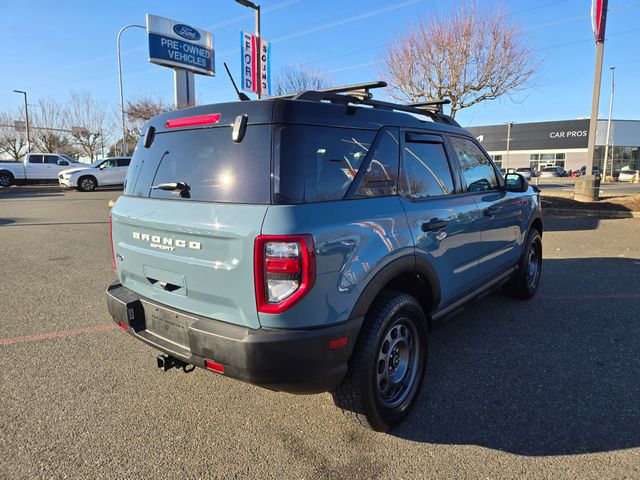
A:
(171, 186)
(182, 187)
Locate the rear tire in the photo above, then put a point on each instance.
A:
(387, 365)
(6, 179)
(87, 184)
(524, 282)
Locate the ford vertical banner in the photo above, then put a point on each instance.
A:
(250, 58)
(177, 45)
(599, 18)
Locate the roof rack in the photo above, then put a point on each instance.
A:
(359, 94)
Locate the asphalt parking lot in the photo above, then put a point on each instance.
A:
(548, 388)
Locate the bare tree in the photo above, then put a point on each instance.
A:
(86, 118)
(49, 127)
(298, 79)
(12, 142)
(469, 57)
(142, 109)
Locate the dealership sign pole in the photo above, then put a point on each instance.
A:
(186, 49)
(599, 20)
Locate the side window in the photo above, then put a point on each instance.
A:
(35, 158)
(51, 159)
(425, 170)
(381, 177)
(108, 163)
(124, 162)
(477, 170)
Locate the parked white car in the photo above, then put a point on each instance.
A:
(627, 175)
(110, 171)
(35, 168)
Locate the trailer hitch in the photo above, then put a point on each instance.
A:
(167, 362)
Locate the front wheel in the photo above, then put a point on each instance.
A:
(524, 282)
(388, 363)
(6, 179)
(87, 184)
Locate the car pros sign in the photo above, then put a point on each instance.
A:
(178, 45)
(252, 54)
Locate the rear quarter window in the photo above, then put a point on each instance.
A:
(318, 164)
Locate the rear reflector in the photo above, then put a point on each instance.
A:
(123, 326)
(338, 343)
(216, 367)
(193, 121)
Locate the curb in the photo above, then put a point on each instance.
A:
(562, 212)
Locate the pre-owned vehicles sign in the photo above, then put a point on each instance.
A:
(178, 45)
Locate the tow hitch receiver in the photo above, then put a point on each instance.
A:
(167, 362)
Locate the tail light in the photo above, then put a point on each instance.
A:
(113, 253)
(285, 270)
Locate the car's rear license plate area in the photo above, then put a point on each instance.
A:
(167, 324)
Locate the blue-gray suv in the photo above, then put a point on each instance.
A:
(305, 243)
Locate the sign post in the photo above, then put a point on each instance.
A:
(186, 49)
(599, 20)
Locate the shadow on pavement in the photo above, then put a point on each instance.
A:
(567, 224)
(556, 375)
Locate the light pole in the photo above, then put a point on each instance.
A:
(26, 114)
(509, 124)
(125, 145)
(249, 4)
(608, 140)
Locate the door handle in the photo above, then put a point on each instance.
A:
(491, 211)
(434, 224)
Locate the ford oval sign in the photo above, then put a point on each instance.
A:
(187, 32)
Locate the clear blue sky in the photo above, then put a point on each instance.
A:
(53, 48)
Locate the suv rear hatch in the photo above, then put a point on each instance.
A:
(193, 204)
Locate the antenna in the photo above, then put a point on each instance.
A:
(241, 96)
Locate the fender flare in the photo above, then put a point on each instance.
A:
(533, 218)
(414, 263)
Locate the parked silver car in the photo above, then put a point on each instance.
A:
(549, 172)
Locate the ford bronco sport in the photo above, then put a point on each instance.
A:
(305, 243)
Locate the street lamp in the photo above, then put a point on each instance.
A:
(125, 145)
(249, 4)
(608, 140)
(26, 114)
(509, 125)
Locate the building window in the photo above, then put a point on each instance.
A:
(538, 161)
(497, 159)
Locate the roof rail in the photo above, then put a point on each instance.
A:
(355, 88)
(359, 94)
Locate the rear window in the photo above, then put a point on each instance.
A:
(318, 164)
(215, 168)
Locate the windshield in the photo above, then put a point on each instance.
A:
(209, 162)
(69, 159)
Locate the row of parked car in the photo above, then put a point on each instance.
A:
(625, 175)
(65, 170)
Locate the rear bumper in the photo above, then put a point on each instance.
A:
(295, 361)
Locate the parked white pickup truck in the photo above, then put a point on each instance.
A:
(35, 168)
(86, 178)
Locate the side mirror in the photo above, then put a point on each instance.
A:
(515, 182)
(62, 163)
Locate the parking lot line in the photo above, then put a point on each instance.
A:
(63, 333)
